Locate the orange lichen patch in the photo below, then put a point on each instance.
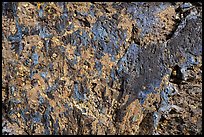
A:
(167, 16)
(66, 93)
(149, 38)
(76, 24)
(3, 93)
(7, 53)
(69, 84)
(21, 73)
(39, 5)
(22, 69)
(91, 19)
(106, 61)
(8, 26)
(52, 103)
(12, 28)
(52, 8)
(108, 7)
(126, 23)
(123, 48)
(122, 52)
(42, 59)
(27, 86)
(14, 128)
(103, 119)
(94, 125)
(159, 36)
(98, 13)
(39, 129)
(99, 88)
(56, 41)
(81, 6)
(132, 119)
(124, 100)
(107, 65)
(115, 89)
(33, 94)
(163, 28)
(6, 47)
(68, 32)
(27, 13)
(41, 82)
(87, 54)
(70, 51)
(19, 81)
(194, 119)
(62, 122)
(33, 97)
(33, 40)
(149, 101)
(85, 65)
(108, 92)
(112, 128)
(65, 71)
(52, 13)
(82, 74)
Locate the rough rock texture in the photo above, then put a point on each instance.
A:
(101, 68)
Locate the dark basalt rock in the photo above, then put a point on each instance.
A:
(101, 68)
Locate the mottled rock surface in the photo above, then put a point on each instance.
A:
(102, 68)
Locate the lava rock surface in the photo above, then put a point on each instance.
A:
(102, 68)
